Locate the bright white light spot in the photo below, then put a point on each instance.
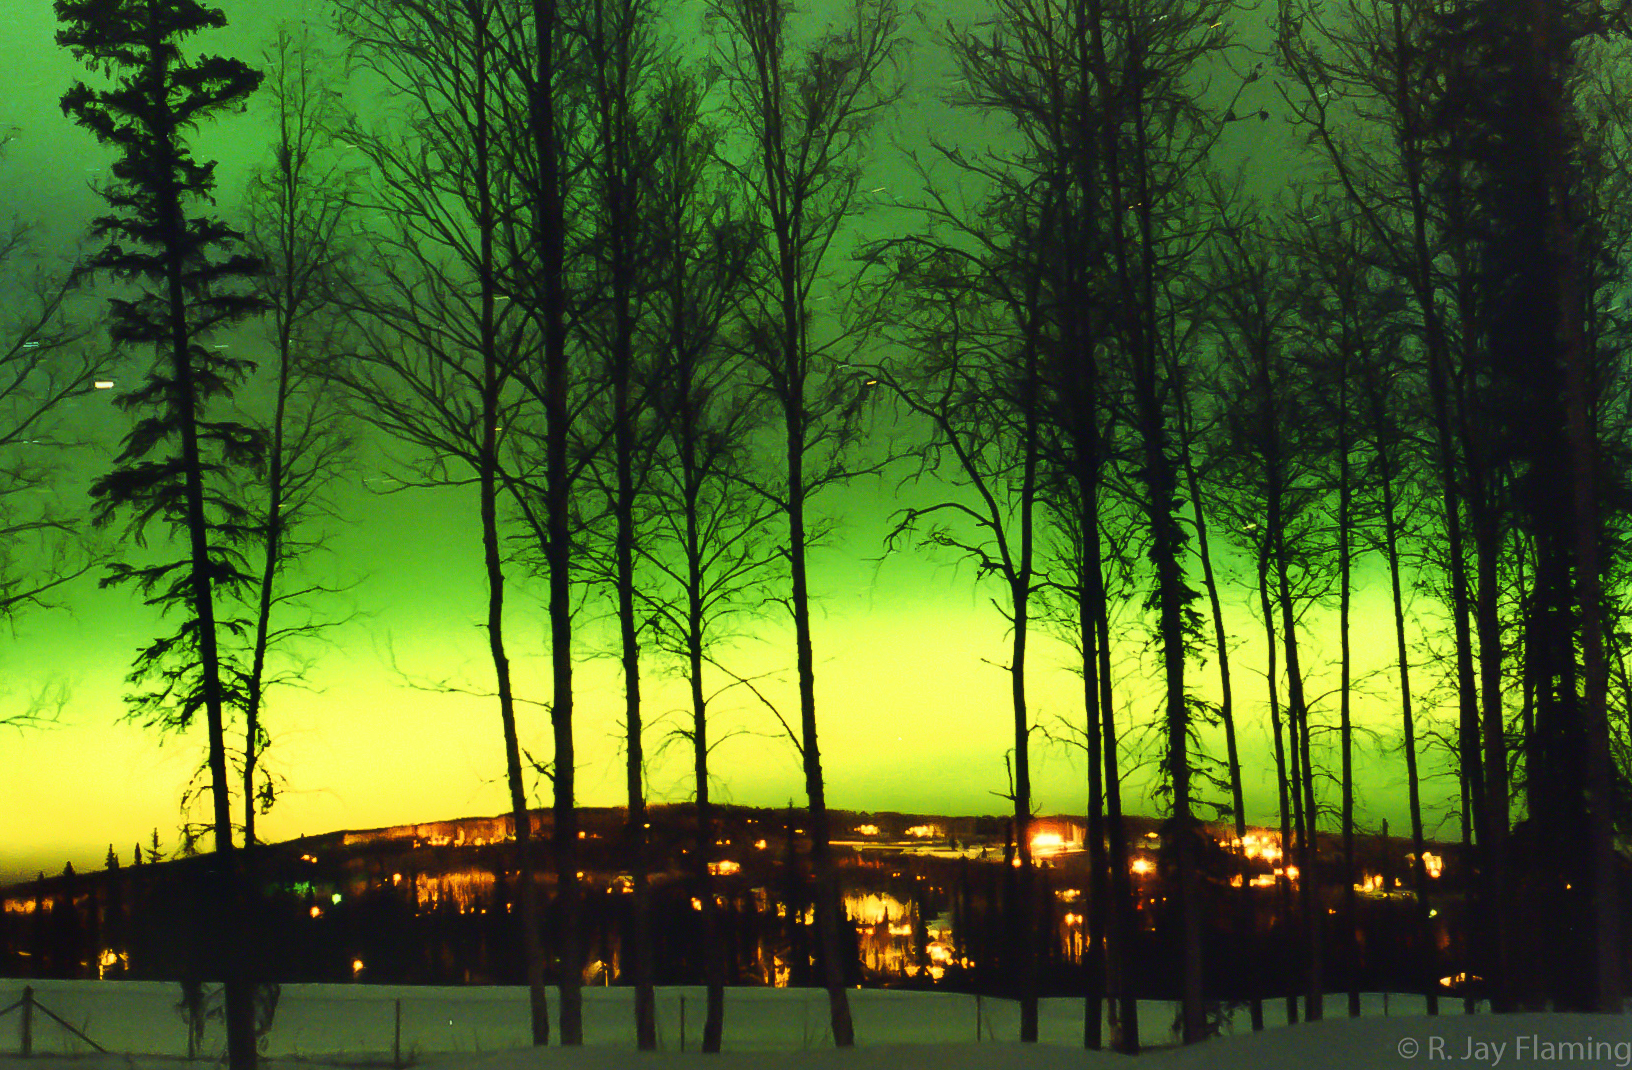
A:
(1047, 841)
(104, 384)
(335, 898)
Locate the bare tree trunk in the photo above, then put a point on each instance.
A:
(1345, 494)
(488, 480)
(1245, 917)
(1282, 775)
(1298, 726)
(1020, 597)
(550, 225)
(229, 892)
(619, 193)
(1419, 866)
(821, 855)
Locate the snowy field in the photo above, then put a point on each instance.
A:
(486, 1029)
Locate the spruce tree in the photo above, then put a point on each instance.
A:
(174, 467)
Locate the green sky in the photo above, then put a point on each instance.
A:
(912, 718)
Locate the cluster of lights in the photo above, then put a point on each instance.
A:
(1256, 846)
(1047, 843)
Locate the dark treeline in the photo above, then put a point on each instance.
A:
(546, 254)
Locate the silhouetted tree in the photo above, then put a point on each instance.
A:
(618, 57)
(973, 328)
(806, 114)
(1155, 135)
(708, 548)
(296, 213)
(158, 237)
(439, 333)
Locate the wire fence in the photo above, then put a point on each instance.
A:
(392, 1025)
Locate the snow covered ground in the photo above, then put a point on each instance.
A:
(486, 1029)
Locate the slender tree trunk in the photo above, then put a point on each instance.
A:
(1093, 955)
(493, 377)
(1345, 494)
(1020, 593)
(1245, 916)
(1121, 929)
(1419, 867)
(620, 185)
(1298, 725)
(269, 560)
(550, 226)
(1088, 460)
(1421, 277)
(1282, 778)
(1494, 848)
(1167, 546)
(233, 949)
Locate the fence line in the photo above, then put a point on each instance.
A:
(392, 1025)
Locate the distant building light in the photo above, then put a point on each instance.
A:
(1047, 842)
(335, 898)
(356, 966)
(759, 845)
(104, 384)
(867, 830)
(317, 912)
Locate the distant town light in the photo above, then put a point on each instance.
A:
(1140, 866)
(1047, 842)
(759, 845)
(356, 966)
(317, 912)
(396, 878)
(104, 384)
(867, 830)
(335, 898)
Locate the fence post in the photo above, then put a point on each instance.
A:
(396, 1037)
(28, 1020)
(977, 1017)
(682, 1023)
